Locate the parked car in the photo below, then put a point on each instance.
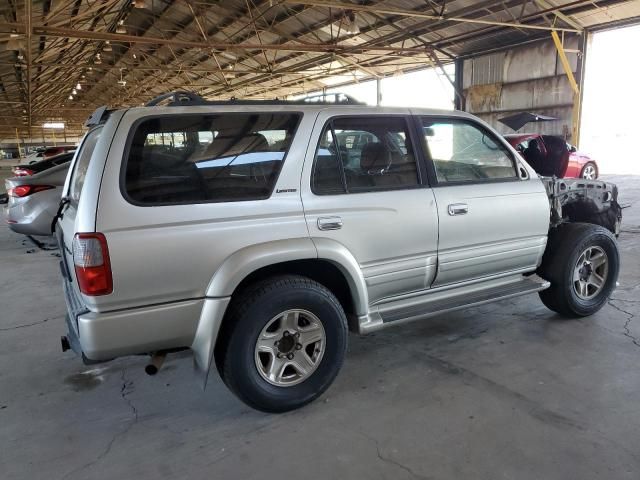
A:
(42, 165)
(33, 200)
(260, 247)
(42, 154)
(550, 155)
(32, 157)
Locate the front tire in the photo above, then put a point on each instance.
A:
(284, 343)
(582, 263)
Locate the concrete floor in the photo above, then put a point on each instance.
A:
(509, 390)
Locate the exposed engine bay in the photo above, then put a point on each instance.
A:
(589, 201)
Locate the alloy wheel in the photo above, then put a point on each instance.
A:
(290, 347)
(589, 172)
(590, 272)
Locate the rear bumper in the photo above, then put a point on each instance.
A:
(103, 336)
(28, 222)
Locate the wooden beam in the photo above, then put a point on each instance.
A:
(44, 30)
(424, 15)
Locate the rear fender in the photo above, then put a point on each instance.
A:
(248, 260)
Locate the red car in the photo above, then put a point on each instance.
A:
(550, 155)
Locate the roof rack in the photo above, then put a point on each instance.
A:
(182, 98)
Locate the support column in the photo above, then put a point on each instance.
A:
(583, 43)
(577, 95)
(459, 102)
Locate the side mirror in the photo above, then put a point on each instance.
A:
(429, 132)
(572, 149)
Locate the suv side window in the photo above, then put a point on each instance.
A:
(357, 154)
(82, 163)
(464, 152)
(224, 157)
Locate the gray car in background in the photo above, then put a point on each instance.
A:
(33, 200)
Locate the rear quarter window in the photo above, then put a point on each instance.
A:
(81, 164)
(183, 159)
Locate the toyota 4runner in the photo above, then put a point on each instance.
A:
(257, 234)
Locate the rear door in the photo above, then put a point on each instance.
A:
(368, 194)
(494, 215)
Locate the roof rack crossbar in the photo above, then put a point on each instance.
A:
(99, 116)
(178, 98)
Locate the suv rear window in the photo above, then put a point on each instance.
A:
(181, 159)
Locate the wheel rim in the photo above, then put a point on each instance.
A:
(290, 347)
(589, 172)
(590, 273)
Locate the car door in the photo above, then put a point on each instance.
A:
(365, 192)
(493, 212)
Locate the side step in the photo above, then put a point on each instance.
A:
(443, 301)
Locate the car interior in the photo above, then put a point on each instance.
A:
(364, 155)
(548, 155)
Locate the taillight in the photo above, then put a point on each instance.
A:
(22, 172)
(91, 261)
(26, 190)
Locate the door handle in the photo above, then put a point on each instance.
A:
(458, 209)
(329, 223)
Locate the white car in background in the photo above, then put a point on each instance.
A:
(44, 153)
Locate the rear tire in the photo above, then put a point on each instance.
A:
(283, 343)
(582, 263)
(589, 171)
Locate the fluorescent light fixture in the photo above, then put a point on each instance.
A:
(54, 125)
(15, 43)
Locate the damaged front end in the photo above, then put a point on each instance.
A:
(588, 201)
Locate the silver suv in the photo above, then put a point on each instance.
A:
(257, 234)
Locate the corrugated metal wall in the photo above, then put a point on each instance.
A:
(528, 78)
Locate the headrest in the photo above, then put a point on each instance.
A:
(375, 156)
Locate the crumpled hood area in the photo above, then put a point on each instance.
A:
(589, 201)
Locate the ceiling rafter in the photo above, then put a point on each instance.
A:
(253, 48)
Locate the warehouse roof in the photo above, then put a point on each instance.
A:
(123, 52)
